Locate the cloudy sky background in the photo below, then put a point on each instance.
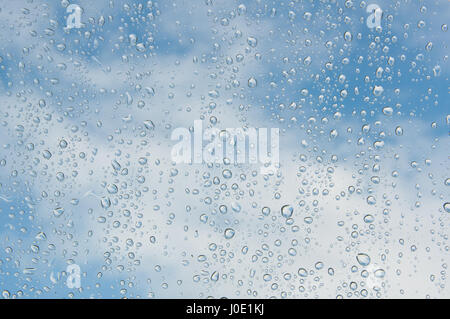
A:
(162, 235)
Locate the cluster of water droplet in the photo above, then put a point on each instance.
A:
(358, 207)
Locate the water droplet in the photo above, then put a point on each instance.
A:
(348, 36)
(252, 83)
(302, 272)
(63, 143)
(252, 41)
(149, 125)
(287, 211)
(371, 200)
(57, 212)
(215, 276)
(378, 90)
(105, 202)
(46, 154)
(363, 259)
(379, 273)
(369, 219)
(229, 233)
(447, 207)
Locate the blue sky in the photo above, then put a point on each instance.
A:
(364, 172)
